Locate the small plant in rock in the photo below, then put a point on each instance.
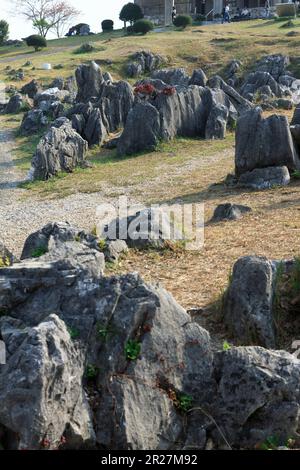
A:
(183, 402)
(91, 371)
(273, 442)
(73, 332)
(296, 174)
(102, 244)
(4, 262)
(39, 251)
(226, 346)
(132, 349)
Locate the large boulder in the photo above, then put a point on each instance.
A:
(264, 142)
(115, 102)
(31, 89)
(258, 398)
(146, 228)
(265, 178)
(61, 149)
(258, 80)
(43, 403)
(248, 301)
(217, 122)
(142, 130)
(33, 121)
(240, 103)
(89, 79)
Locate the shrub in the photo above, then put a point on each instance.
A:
(129, 30)
(107, 25)
(182, 21)
(131, 12)
(143, 26)
(3, 31)
(84, 48)
(36, 41)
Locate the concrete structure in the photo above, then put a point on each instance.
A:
(160, 11)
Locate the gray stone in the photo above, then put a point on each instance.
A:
(248, 302)
(89, 79)
(40, 387)
(33, 121)
(61, 149)
(177, 76)
(283, 103)
(275, 65)
(258, 397)
(265, 178)
(94, 130)
(114, 249)
(142, 130)
(146, 228)
(258, 79)
(144, 62)
(50, 95)
(264, 142)
(198, 78)
(296, 116)
(15, 104)
(31, 89)
(216, 123)
(229, 211)
(240, 103)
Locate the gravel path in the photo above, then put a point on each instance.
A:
(19, 216)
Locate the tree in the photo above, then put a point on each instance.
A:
(4, 29)
(36, 41)
(47, 15)
(131, 12)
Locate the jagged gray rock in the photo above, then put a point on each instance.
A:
(61, 149)
(89, 79)
(142, 130)
(265, 178)
(229, 211)
(176, 76)
(258, 397)
(216, 122)
(198, 78)
(144, 62)
(264, 142)
(15, 104)
(33, 121)
(240, 103)
(31, 89)
(248, 302)
(42, 399)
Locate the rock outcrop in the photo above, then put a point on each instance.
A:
(61, 149)
(144, 62)
(264, 142)
(33, 121)
(15, 104)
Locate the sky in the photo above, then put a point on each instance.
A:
(93, 12)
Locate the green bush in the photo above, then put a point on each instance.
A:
(3, 31)
(142, 26)
(85, 48)
(107, 25)
(36, 41)
(182, 21)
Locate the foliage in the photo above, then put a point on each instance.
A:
(91, 371)
(84, 48)
(131, 12)
(4, 262)
(226, 346)
(4, 30)
(36, 41)
(142, 26)
(296, 174)
(73, 332)
(185, 402)
(107, 25)
(182, 21)
(39, 251)
(132, 349)
(273, 442)
(102, 244)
